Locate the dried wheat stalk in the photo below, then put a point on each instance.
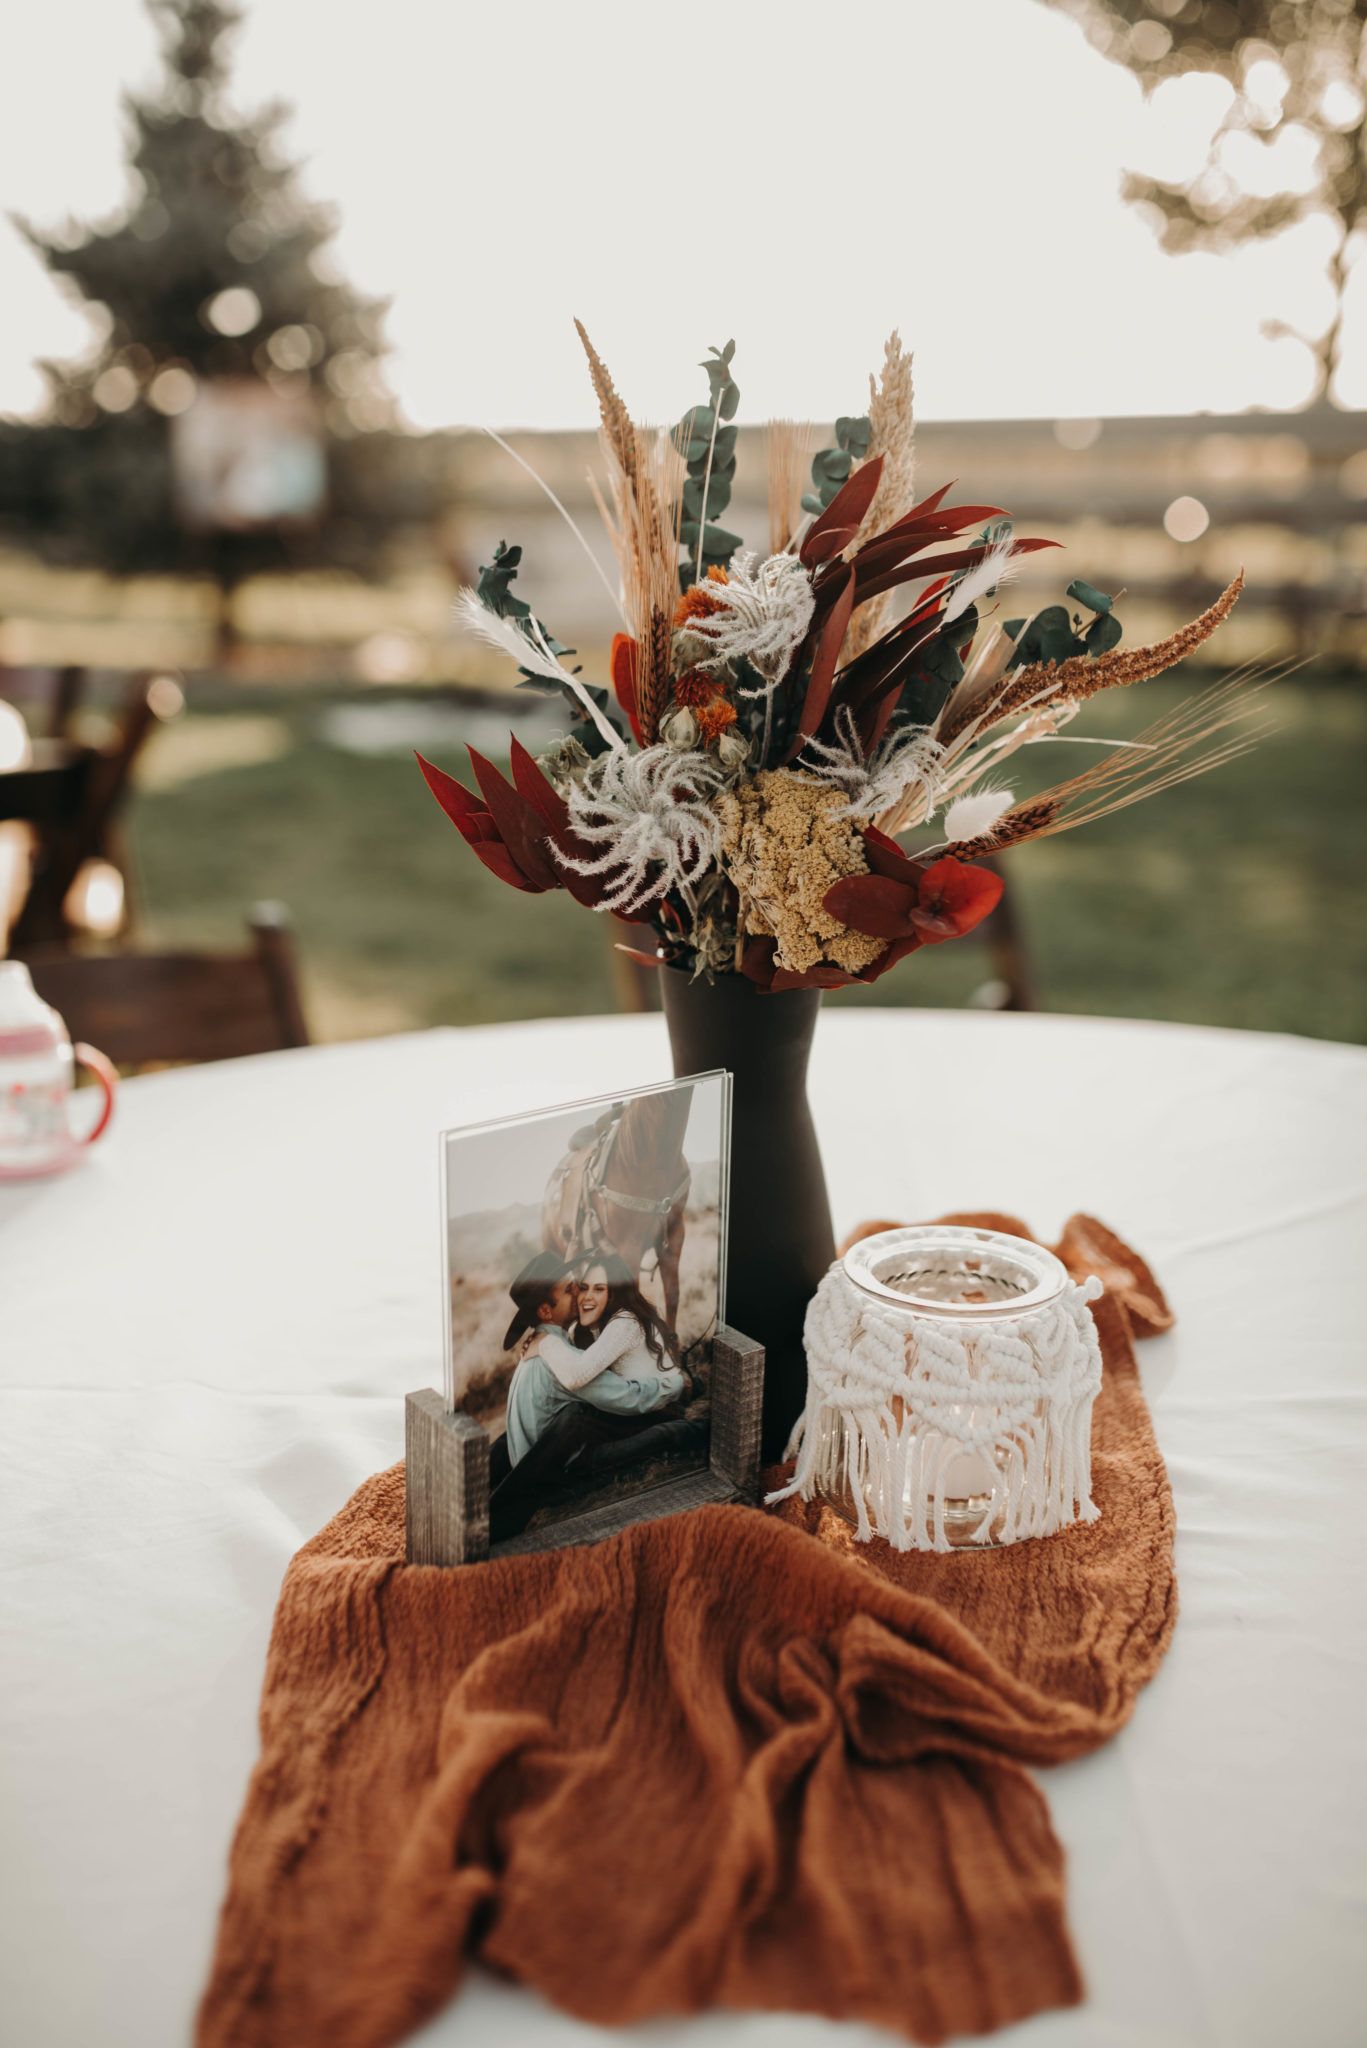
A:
(788, 448)
(1174, 749)
(618, 431)
(644, 485)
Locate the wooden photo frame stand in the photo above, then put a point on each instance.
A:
(447, 1470)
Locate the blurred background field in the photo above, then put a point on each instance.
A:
(1242, 902)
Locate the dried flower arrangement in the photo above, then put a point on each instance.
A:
(774, 724)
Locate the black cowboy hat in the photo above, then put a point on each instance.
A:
(530, 1289)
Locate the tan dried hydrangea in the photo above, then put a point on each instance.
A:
(784, 846)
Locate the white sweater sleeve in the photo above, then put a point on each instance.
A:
(574, 1369)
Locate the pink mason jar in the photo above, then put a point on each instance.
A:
(37, 1070)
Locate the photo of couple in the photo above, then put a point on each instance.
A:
(582, 1291)
(598, 1388)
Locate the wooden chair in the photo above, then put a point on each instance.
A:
(175, 1008)
(71, 795)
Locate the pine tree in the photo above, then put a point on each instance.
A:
(215, 268)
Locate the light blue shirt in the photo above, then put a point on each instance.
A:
(536, 1396)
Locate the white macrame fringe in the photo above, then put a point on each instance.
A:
(894, 1399)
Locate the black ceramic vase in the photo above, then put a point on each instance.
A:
(780, 1240)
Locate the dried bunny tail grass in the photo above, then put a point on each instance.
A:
(1022, 822)
(788, 447)
(1083, 675)
(892, 434)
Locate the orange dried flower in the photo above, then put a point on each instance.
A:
(697, 603)
(714, 718)
(694, 687)
(716, 574)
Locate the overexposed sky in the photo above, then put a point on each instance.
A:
(799, 175)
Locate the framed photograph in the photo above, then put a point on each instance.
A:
(585, 1290)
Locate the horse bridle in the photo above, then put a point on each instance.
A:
(658, 1206)
(643, 1205)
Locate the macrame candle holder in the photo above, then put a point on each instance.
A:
(951, 1376)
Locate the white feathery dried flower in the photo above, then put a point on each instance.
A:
(525, 643)
(760, 615)
(649, 811)
(908, 759)
(997, 566)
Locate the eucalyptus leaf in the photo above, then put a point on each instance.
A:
(1088, 594)
(709, 451)
(855, 433)
(495, 586)
(1048, 637)
(831, 467)
(941, 660)
(922, 700)
(1104, 633)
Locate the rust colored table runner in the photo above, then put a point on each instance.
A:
(728, 1759)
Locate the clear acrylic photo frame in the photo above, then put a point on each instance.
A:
(717, 1120)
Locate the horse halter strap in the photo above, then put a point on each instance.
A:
(595, 1183)
(643, 1205)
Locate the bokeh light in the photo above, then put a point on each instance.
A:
(95, 900)
(16, 750)
(172, 390)
(165, 697)
(233, 312)
(1186, 519)
(116, 389)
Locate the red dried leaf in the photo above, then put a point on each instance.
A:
(926, 506)
(843, 517)
(886, 857)
(641, 959)
(954, 898)
(623, 666)
(959, 558)
(897, 950)
(500, 862)
(899, 544)
(932, 515)
(875, 904)
(519, 827)
(460, 806)
(825, 654)
(816, 977)
(532, 785)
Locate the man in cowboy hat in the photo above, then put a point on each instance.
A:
(543, 1292)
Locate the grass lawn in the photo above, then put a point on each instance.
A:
(1236, 900)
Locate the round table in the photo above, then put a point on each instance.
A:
(206, 1334)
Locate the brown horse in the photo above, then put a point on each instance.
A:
(623, 1187)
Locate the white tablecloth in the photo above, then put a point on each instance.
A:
(207, 1331)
